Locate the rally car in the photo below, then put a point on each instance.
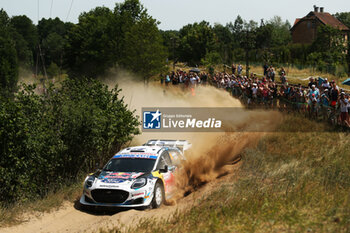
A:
(141, 176)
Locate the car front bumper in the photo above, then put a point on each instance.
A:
(135, 198)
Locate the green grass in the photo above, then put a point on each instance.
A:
(16, 213)
(291, 182)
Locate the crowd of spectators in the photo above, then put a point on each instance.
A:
(320, 99)
(188, 79)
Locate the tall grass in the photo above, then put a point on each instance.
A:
(294, 182)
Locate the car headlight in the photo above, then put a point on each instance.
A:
(139, 183)
(90, 180)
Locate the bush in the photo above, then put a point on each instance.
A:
(48, 140)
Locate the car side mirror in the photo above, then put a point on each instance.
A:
(98, 168)
(164, 170)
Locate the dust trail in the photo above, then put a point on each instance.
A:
(207, 163)
(211, 151)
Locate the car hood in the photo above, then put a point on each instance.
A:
(118, 177)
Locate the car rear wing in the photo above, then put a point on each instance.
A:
(181, 144)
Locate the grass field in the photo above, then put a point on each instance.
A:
(291, 182)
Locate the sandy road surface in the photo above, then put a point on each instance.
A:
(70, 219)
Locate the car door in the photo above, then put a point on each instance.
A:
(168, 177)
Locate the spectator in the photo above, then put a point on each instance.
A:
(233, 68)
(325, 98)
(344, 115)
(265, 67)
(311, 82)
(283, 79)
(264, 91)
(239, 69)
(273, 73)
(167, 80)
(334, 93)
(325, 84)
(325, 103)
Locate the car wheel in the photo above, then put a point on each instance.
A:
(158, 195)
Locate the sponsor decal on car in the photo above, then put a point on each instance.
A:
(109, 186)
(139, 156)
(119, 177)
(147, 195)
(137, 194)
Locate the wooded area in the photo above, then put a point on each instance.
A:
(128, 37)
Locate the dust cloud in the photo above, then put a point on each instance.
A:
(210, 152)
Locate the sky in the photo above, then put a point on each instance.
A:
(174, 14)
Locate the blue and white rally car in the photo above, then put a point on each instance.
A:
(139, 176)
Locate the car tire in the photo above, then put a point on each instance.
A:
(158, 195)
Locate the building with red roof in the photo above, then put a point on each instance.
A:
(304, 30)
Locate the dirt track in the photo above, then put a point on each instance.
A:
(70, 219)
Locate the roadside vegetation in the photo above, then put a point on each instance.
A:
(292, 181)
(48, 140)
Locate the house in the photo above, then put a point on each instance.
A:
(304, 30)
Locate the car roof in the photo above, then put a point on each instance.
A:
(142, 149)
(151, 152)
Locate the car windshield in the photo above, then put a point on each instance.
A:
(130, 165)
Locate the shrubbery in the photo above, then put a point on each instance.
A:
(47, 140)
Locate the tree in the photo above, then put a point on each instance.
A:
(264, 36)
(24, 53)
(195, 41)
(171, 42)
(248, 41)
(237, 30)
(103, 39)
(53, 48)
(125, 15)
(25, 27)
(145, 53)
(329, 39)
(48, 26)
(53, 138)
(280, 35)
(224, 42)
(52, 34)
(25, 35)
(8, 56)
(91, 47)
(328, 50)
(344, 17)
